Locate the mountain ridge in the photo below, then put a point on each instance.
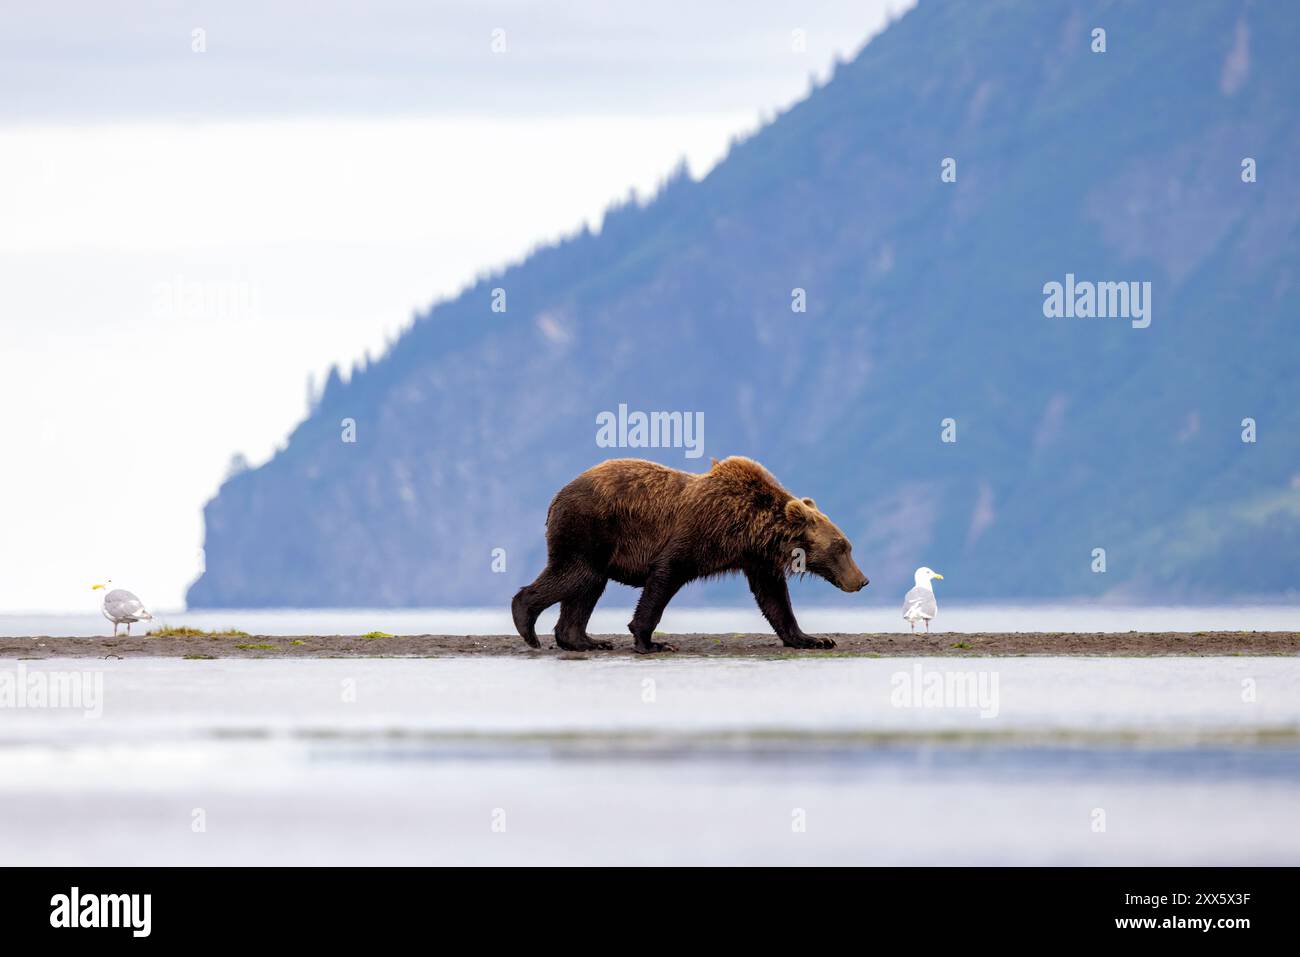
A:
(924, 303)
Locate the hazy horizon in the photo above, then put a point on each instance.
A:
(191, 236)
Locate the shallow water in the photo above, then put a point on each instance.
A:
(662, 761)
(686, 620)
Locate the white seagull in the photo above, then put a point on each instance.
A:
(122, 607)
(919, 603)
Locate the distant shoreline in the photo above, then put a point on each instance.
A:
(898, 645)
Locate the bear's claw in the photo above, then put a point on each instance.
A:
(808, 641)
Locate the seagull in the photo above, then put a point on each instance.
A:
(919, 603)
(122, 607)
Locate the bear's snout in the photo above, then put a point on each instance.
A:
(853, 581)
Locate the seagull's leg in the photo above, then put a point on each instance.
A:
(927, 627)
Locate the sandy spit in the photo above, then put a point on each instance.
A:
(1131, 644)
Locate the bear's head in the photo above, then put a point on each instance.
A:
(828, 553)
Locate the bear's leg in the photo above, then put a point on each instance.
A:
(531, 600)
(659, 590)
(575, 612)
(773, 597)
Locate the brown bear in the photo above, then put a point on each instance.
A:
(654, 527)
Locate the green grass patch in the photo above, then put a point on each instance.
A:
(186, 632)
(377, 634)
(257, 647)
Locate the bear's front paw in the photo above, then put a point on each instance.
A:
(653, 647)
(807, 641)
(582, 643)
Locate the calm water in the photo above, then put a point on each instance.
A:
(1186, 761)
(745, 618)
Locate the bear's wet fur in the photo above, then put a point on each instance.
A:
(658, 528)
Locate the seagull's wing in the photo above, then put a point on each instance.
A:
(919, 604)
(122, 604)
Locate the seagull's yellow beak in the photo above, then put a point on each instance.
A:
(93, 587)
(937, 575)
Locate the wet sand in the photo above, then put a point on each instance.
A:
(1120, 644)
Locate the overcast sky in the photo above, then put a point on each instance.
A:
(96, 61)
(186, 236)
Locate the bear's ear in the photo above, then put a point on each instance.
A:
(810, 503)
(797, 513)
(715, 463)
